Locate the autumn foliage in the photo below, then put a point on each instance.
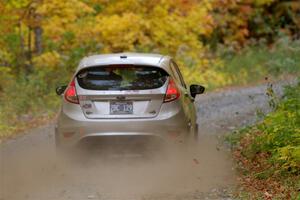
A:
(65, 31)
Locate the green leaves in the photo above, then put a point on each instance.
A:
(16, 4)
(268, 153)
(280, 134)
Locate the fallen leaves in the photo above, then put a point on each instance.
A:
(258, 176)
(196, 161)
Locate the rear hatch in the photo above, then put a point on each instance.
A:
(121, 91)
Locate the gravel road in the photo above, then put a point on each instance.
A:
(29, 168)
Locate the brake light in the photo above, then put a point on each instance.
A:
(70, 94)
(172, 92)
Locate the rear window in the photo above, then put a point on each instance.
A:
(121, 77)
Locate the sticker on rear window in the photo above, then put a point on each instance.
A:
(82, 75)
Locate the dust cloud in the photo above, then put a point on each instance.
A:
(35, 172)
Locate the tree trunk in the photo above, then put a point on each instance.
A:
(22, 55)
(29, 53)
(38, 31)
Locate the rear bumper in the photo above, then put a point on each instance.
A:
(70, 132)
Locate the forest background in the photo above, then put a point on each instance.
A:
(217, 43)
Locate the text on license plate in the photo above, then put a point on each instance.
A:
(117, 108)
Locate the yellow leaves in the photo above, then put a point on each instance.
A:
(5, 56)
(121, 7)
(6, 77)
(70, 10)
(199, 21)
(290, 155)
(165, 27)
(202, 76)
(59, 15)
(170, 30)
(119, 33)
(49, 60)
(102, 26)
(15, 4)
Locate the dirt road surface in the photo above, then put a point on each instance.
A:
(30, 170)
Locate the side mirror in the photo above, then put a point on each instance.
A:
(60, 89)
(196, 89)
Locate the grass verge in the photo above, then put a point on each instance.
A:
(268, 153)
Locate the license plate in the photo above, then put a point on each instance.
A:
(121, 108)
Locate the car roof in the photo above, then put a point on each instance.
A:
(126, 59)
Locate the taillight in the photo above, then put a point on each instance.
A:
(70, 93)
(172, 92)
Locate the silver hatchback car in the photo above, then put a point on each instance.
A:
(129, 98)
